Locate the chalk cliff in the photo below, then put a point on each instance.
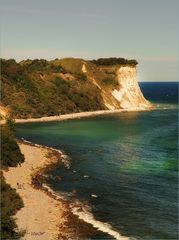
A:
(129, 94)
(36, 88)
(126, 93)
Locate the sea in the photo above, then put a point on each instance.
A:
(120, 173)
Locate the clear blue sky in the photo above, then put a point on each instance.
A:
(145, 30)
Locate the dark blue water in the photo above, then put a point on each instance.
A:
(124, 167)
(157, 92)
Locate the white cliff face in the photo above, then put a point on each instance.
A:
(84, 70)
(129, 94)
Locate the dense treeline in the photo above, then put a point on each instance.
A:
(114, 61)
(38, 88)
(10, 68)
(10, 204)
(10, 200)
(11, 155)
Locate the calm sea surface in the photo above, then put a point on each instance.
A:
(123, 167)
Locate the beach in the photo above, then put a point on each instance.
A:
(43, 216)
(46, 216)
(76, 115)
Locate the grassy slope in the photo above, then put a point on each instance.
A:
(36, 88)
(42, 89)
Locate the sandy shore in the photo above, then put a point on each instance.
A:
(75, 115)
(42, 216)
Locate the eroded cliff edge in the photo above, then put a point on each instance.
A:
(37, 88)
(126, 94)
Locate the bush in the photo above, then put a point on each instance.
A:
(10, 200)
(110, 81)
(81, 76)
(11, 155)
(10, 204)
(114, 61)
(10, 123)
(60, 82)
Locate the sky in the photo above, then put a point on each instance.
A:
(145, 30)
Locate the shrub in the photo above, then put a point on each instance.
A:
(81, 76)
(10, 200)
(11, 155)
(114, 61)
(10, 204)
(109, 81)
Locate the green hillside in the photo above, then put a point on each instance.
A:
(36, 88)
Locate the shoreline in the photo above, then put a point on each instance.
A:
(44, 216)
(34, 218)
(77, 115)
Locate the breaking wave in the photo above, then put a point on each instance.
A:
(65, 159)
(78, 208)
(83, 212)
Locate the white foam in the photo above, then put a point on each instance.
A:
(164, 106)
(64, 158)
(26, 141)
(78, 209)
(66, 161)
(94, 195)
(84, 214)
(57, 195)
(86, 176)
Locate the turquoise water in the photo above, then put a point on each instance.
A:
(124, 168)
